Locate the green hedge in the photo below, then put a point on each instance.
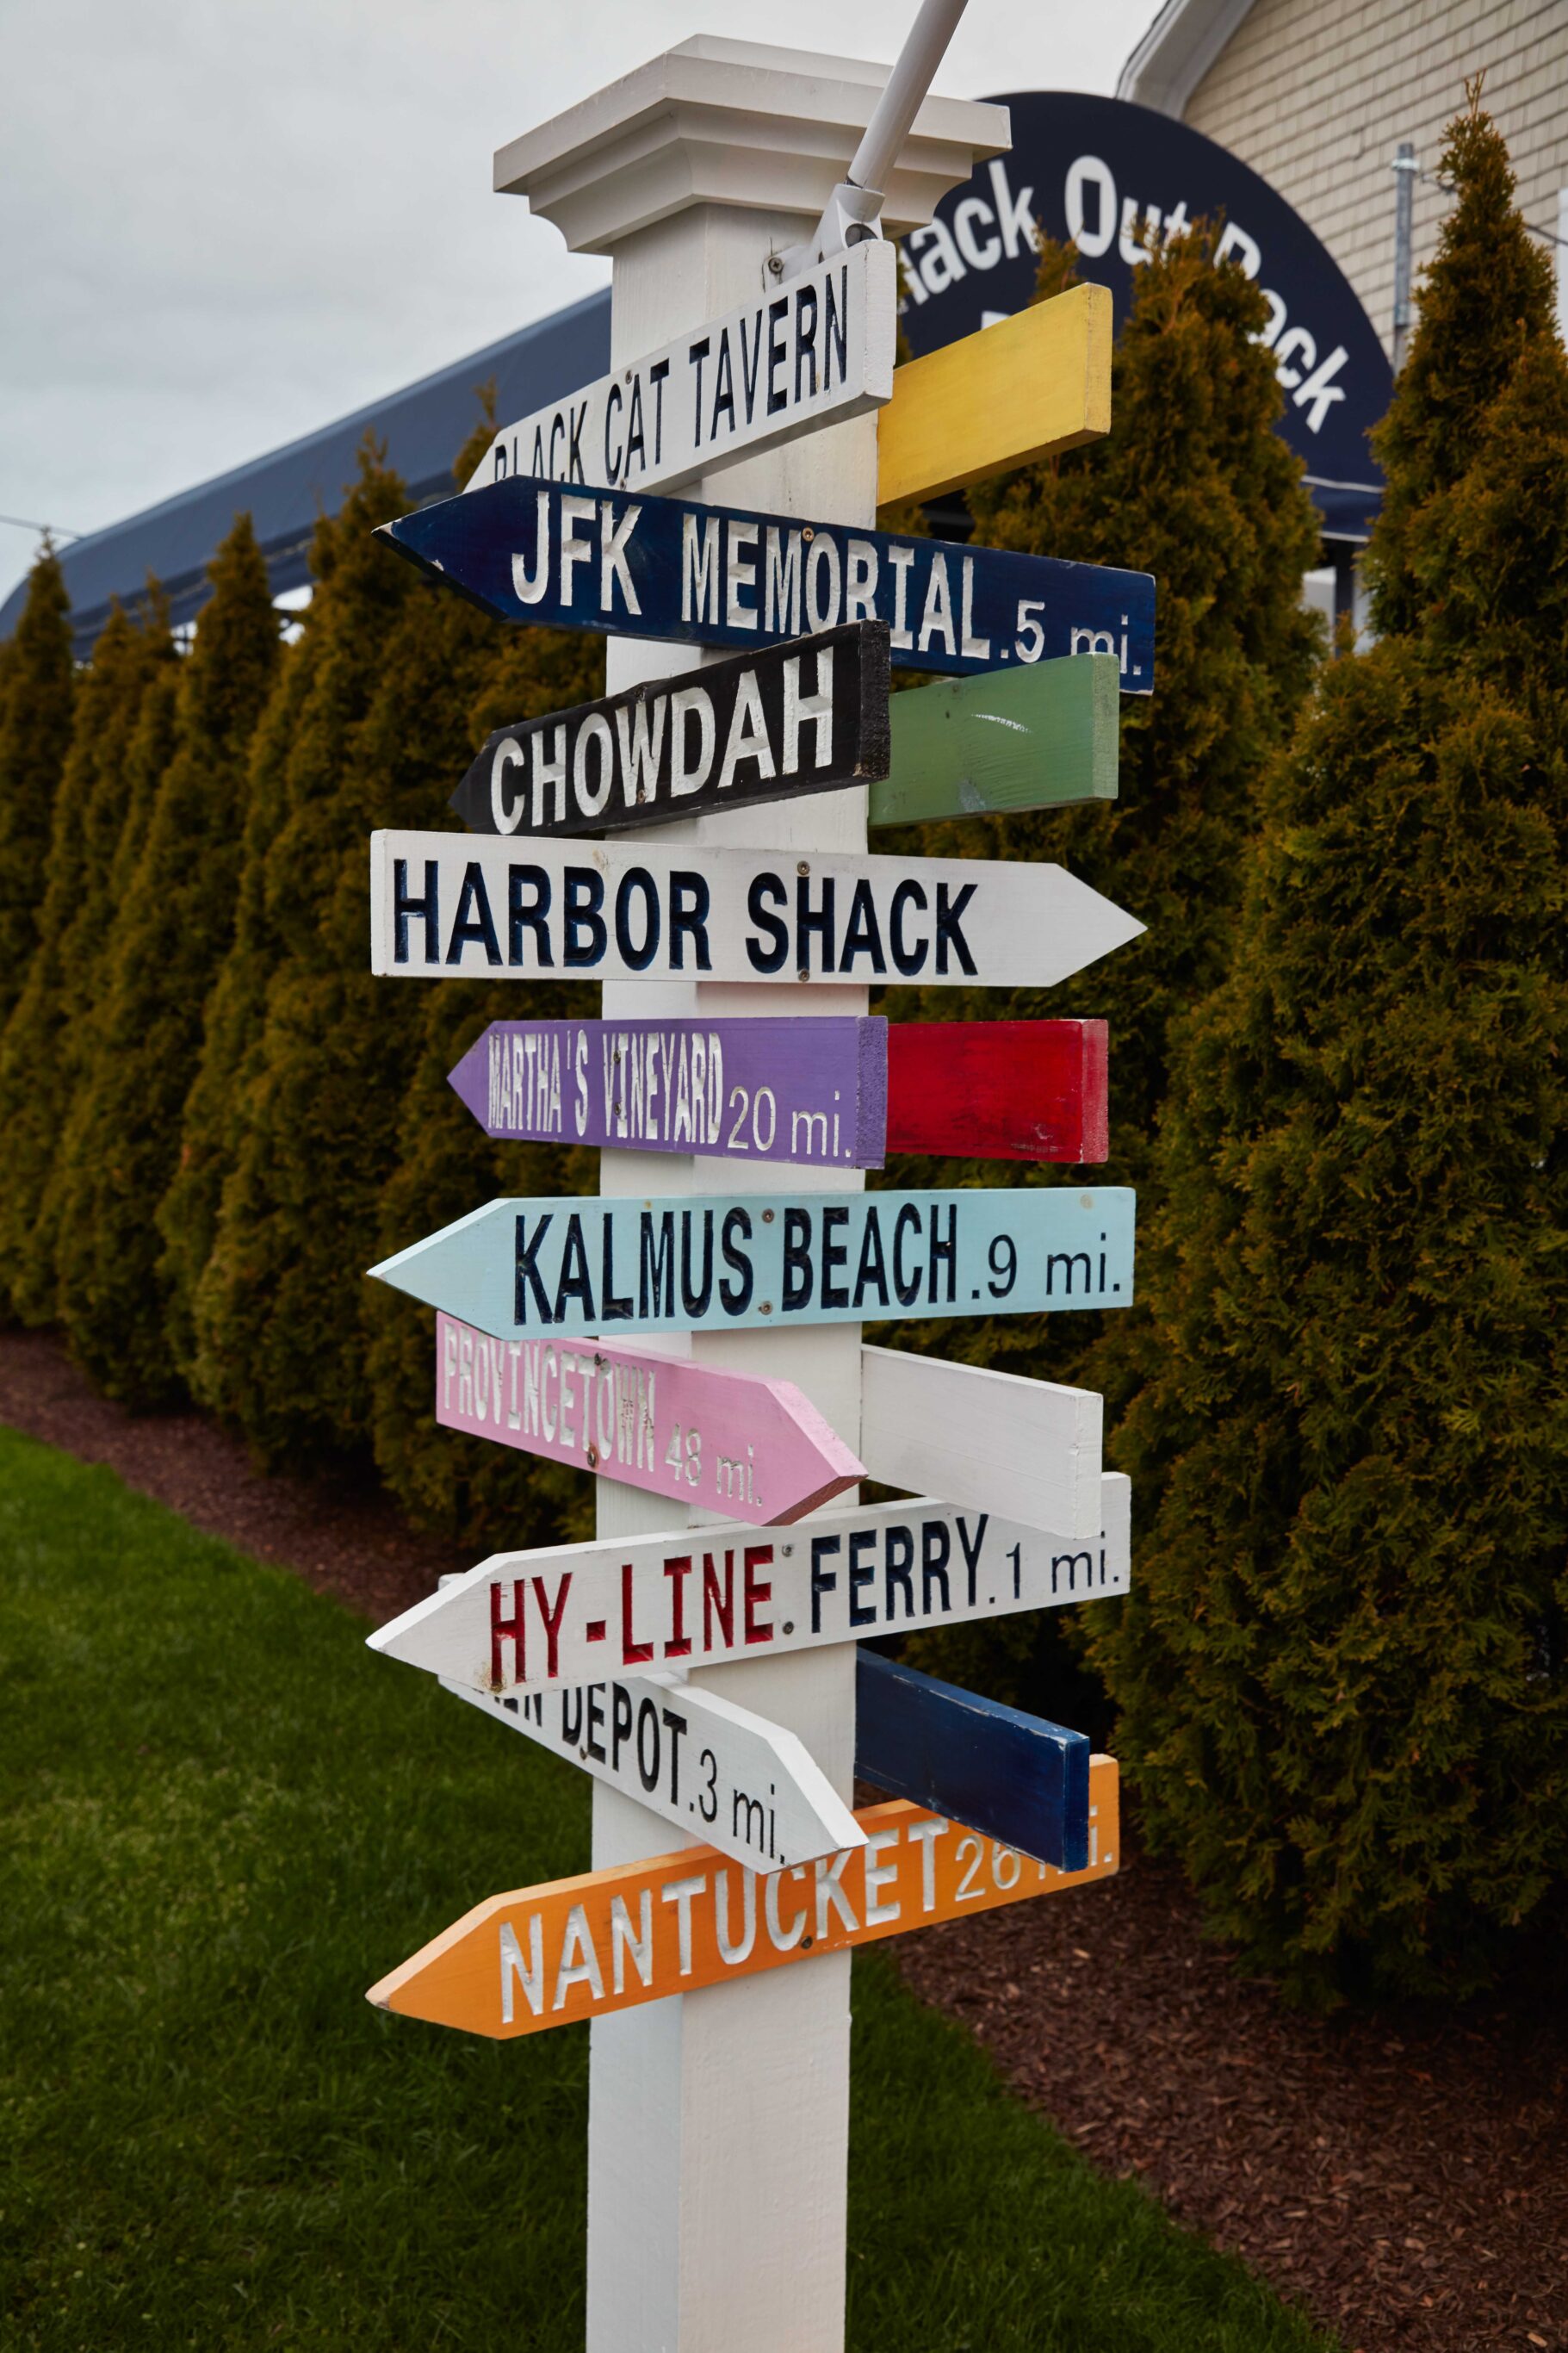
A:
(171, 931)
(45, 1047)
(1194, 485)
(36, 693)
(1342, 1670)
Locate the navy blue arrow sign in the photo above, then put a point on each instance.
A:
(645, 568)
(1011, 1777)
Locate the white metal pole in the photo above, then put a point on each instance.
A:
(914, 72)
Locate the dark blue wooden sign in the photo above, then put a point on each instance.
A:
(646, 568)
(1010, 1775)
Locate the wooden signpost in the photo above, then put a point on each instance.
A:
(696, 1759)
(806, 718)
(576, 1948)
(994, 1769)
(574, 1266)
(448, 906)
(816, 350)
(761, 1800)
(1007, 741)
(756, 1449)
(718, 2118)
(742, 577)
(1023, 389)
(732, 1441)
(738, 733)
(1020, 390)
(999, 1089)
(703, 1596)
(1029, 1451)
(823, 1089)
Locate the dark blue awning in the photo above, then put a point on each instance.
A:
(423, 427)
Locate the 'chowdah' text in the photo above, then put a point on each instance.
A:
(808, 718)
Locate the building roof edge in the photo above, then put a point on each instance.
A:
(1178, 50)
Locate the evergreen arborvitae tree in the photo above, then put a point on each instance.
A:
(285, 1298)
(211, 1123)
(269, 1296)
(43, 1048)
(35, 732)
(469, 1488)
(171, 932)
(1344, 1665)
(1194, 484)
(64, 1231)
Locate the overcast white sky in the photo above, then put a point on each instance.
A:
(224, 221)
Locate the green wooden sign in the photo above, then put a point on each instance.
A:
(1040, 737)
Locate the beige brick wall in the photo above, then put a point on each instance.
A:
(1317, 94)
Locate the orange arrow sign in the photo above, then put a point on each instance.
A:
(578, 1947)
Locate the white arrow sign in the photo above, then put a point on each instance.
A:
(459, 906)
(811, 353)
(1027, 1450)
(697, 1596)
(716, 1771)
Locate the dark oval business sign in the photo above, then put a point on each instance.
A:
(1097, 169)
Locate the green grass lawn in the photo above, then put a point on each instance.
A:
(222, 1819)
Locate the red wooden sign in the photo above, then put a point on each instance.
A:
(998, 1090)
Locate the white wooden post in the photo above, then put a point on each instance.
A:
(719, 2121)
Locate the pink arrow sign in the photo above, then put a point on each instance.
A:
(756, 1450)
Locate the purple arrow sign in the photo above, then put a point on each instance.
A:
(813, 1090)
(752, 1449)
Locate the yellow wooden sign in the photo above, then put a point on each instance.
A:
(578, 1947)
(1031, 384)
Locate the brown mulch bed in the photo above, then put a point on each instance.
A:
(1403, 2175)
(339, 1532)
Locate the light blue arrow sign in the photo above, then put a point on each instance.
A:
(1012, 1776)
(520, 1269)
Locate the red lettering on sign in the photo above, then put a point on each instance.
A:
(678, 1646)
(507, 1629)
(716, 1604)
(757, 1557)
(632, 1652)
(553, 1619)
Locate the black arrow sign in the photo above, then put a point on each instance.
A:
(803, 717)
